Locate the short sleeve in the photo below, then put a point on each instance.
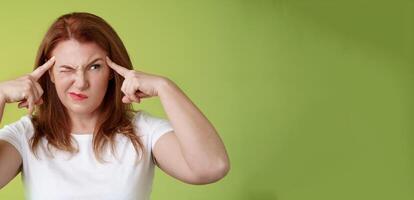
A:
(14, 133)
(157, 127)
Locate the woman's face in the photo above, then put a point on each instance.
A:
(80, 75)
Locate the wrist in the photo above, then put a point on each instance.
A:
(2, 97)
(165, 86)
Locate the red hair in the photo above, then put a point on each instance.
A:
(51, 120)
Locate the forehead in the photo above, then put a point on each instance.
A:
(72, 52)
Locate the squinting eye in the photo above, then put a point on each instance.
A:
(66, 69)
(96, 66)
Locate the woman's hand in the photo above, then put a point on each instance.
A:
(137, 84)
(26, 89)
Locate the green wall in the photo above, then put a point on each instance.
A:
(313, 99)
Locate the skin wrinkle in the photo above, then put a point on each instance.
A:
(89, 81)
(77, 67)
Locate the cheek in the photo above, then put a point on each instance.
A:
(99, 85)
(100, 79)
(62, 83)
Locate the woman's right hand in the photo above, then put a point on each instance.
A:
(26, 89)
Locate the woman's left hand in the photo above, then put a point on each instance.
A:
(137, 84)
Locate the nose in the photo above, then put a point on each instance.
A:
(81, 81)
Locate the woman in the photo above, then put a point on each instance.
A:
(82, 139)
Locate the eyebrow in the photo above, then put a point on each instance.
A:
(96, 59)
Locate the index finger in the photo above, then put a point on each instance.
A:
(119, 69)
(38, 72)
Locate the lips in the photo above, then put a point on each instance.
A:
(77, 96)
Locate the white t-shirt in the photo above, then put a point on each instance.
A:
(82, 176)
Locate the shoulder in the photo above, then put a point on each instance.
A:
(147, 123)
(143, 117)
(23, 125)
(142, 122)
(18, 132)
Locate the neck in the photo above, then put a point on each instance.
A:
(83, 123)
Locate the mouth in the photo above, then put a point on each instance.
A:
(77, 96)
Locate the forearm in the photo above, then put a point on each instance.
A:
(2, 105)
(200, 143)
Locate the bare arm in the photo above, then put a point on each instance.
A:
(194, 152)
(28, 91)
(10, 162)
(2, 105)
(10, 159)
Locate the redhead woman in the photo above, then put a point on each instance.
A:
(82, 139)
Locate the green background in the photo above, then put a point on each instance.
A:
(313, 99)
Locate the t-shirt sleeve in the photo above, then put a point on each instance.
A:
(157, 127)
(14, 133)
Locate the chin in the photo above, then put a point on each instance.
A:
(80, 108)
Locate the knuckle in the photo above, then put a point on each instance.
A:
(28, 81)
(131, 93)
(26, 88)
(28, 77)
(39, 87)
(130, 73)
(25, 78)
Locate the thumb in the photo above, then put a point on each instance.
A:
(24, 103)
(125, 99)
